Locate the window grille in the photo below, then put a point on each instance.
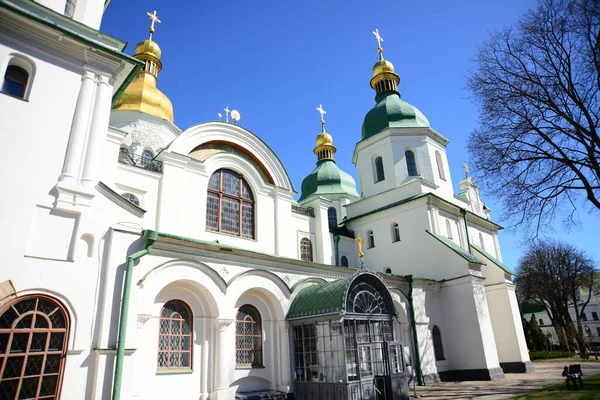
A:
(411, 163)
(370, 239)
(437, 344)
(248, 337)
(344, 261)
(379, 174)
(175, 336)
(440, 165)
(15, 81)
(132, 198)
(306, 250)
(70, 8)
(332, 217)
(395, 233)
(33, 348)
(230, 204)
(147, 157)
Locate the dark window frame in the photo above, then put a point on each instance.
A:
(332, 217)
(395, 232)
(15, 77)
(379, 171)
(411, 163)
(438, 347)
(242, 318)
(306, 250)
(370, 240)
(175, 342)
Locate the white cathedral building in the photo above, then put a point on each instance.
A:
(116, 284)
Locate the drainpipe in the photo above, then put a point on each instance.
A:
(149, 239)
(463, 212)
(414, 331)
(336, 249)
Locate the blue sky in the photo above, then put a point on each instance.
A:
(275, 61)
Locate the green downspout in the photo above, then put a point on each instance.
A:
(149, 239)
(463, 212)
(336, 249)
(414, 331)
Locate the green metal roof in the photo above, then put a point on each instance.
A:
(392, 112)
(531, 306)
(493, 259)
(457, 249)
(326, 298)
(327, 179)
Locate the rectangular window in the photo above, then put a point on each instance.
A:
(230, 216)
(598, 331)
(212, 212)
(583, 317)
(594, 315)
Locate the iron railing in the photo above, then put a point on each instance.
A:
(303, 210)
(141, 161)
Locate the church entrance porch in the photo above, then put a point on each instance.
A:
(343, 342)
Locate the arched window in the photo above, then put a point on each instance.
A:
(70, 8)
(395, 232)
(411, 163)
(481, 242)
(15, 81)
(379, 175)
(132, 198)
(248, 337)
(34, 332)
(448, 229)
(306, 250)
(438, 349)
(541, 322)
(440, 165)
(230, 204)
(147, 157)
(387, 270)
(344, 261)
(175, 336)
(370, 240)
(332, 217)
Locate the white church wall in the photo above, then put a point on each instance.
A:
(365, 166)
(445, 188)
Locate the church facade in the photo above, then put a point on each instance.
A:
(116, 284)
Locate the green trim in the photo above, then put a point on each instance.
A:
(493, 259)
(336, 249)
(149, 238)
(456, 248)
(413, 326)
(174, 371)
(305, 280)
(250, 367)
(137, 64)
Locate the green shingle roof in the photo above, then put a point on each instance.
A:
(327, 179)
(392, 112)
(457, 249)
(326, 298)
(493, 259)
(531, 306)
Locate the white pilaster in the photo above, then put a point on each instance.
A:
(79, 129)
(284, 358)
(98, 131)
(222, 379)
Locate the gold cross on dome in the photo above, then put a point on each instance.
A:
(322, 112)
(154, 19)
(379, 40)
(360, 242)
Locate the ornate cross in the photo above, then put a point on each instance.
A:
(360, 242)
(322, 112)
(466, 168)
(379, 40)
(226, 109)
(154, 19)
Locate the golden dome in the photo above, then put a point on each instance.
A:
(147, 48)
(324, 138)
(382, 66)
(142, 95)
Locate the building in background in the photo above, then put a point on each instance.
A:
(146, 261)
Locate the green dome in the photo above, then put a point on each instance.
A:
(391, 112)
(327, 179)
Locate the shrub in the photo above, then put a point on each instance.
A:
(544, 355)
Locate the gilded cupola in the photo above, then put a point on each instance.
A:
(390, 111)
(142, 93)
(325, 148)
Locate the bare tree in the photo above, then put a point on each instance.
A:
(559, 277)
(537, 84)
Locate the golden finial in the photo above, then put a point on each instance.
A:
(322, 112)
(379, 40)
(154, 19)
(360, 242)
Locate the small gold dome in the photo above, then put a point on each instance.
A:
(147, 48)
(324, 138)
(382, 66)
(142, 95)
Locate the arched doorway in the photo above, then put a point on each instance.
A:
(34, 331)
(343, 342)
